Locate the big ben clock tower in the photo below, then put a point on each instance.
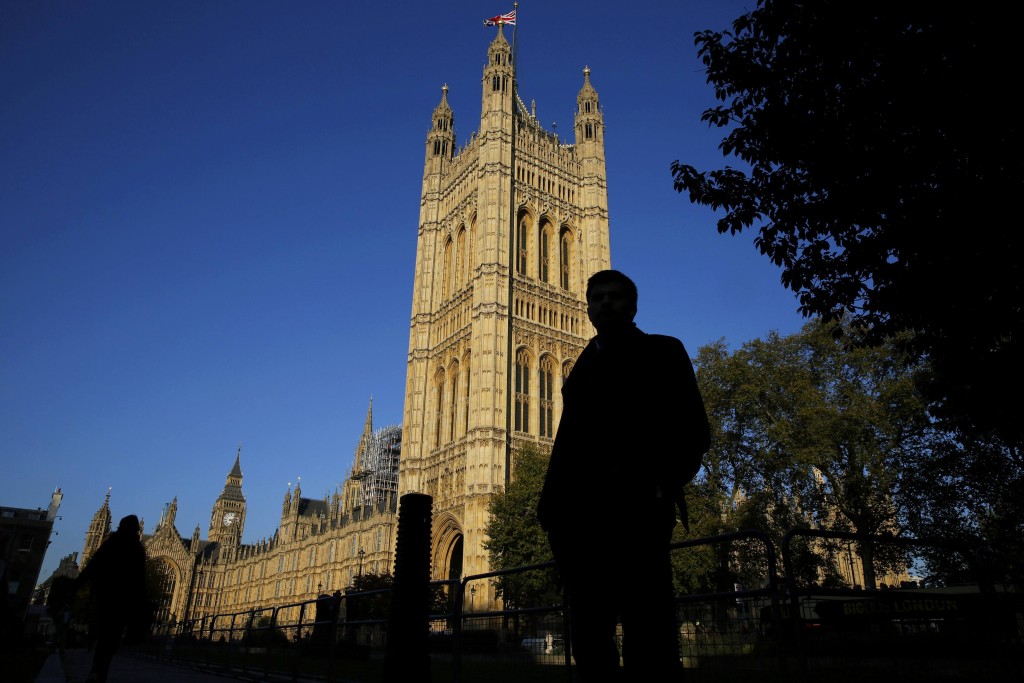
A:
(228, 516)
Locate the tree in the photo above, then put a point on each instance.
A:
(370, 596)
(880, 175)
(969, 490)
(514, 536)
(809, 433)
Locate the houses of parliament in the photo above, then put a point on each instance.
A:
(511, 224)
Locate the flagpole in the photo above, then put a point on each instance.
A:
(510, 346)
(515, 47)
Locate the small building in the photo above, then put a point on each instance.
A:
(24, 537)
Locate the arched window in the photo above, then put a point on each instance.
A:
(522, 415)
(520, 255)
(544, 252)
(453, 400)
(460, 259)
(446, 287)
(547, 393)
(465, 407)
(438, 408)
(564, 258)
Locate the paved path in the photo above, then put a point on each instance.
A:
(73, 667)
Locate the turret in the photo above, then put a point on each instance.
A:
(497, 86)
(594, 177)
(360, 464)
(172, 512)
(51, 511)
(441, 138)
(589, 121)
(99, 529)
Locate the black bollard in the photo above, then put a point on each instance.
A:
(406, 655)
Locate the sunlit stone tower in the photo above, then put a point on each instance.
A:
(511, 226)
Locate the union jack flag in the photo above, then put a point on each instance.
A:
(509, 18)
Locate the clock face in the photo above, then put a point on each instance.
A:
(229, 518)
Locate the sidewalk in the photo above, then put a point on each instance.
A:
(127, 667)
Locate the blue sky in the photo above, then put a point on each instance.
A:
(208, 220)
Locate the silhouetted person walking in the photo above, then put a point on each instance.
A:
(632, 433)
(116, 577)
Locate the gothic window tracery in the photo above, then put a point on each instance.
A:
(544, 252)
(465, 396)
(438, 407)
(460, 258)
(446, 287)
(522, 409)
(547, 403)
(453, 401)
(521, 240)
(564, 258)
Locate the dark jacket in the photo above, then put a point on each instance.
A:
(632, 434)
(116, 575)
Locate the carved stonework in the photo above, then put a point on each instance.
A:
(455, 446)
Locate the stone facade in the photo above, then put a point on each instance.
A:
(511, 226)
(319, 547)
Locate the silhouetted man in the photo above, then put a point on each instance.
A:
(116, 576)
(631, 435)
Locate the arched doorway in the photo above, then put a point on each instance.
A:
(455, 560)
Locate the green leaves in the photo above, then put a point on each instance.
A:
(514, 536)
(882, 200)
(811, 430)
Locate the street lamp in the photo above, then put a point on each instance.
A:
(319, 587)
(361, 553)
(472, 598)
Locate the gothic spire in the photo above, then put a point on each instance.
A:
(236, 471)
(441, 138)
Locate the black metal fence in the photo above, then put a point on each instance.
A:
(779, 628)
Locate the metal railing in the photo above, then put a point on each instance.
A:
(778, 627)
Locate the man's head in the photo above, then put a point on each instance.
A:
(129, 525)
(611, 300)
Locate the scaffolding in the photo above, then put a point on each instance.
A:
(377, 465)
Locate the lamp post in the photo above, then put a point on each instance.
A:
(472, 598)
(319, 587)
(361, 553)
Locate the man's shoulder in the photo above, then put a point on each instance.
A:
(663, 341)
(662, 338)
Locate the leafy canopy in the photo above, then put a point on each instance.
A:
(882, 175)
(806, 432)
(514, 536)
